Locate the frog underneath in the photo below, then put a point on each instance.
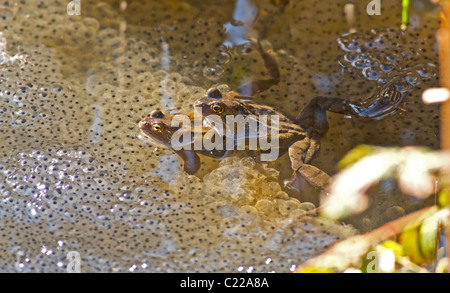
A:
(159, 127)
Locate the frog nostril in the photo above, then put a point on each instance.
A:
(198, 104)
(143, 125)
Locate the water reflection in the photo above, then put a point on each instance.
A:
(245, 12)
(165, 65)
(238, 32)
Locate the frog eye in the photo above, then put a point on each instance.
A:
(217, 108)
(158, 127)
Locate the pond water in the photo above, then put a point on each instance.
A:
(77, 175)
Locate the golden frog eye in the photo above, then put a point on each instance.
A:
(217, 108)
(158, 127)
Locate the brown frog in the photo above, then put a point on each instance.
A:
(158, 126)
(300, 136)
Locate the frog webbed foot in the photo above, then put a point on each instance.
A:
(313, 175)
(383, 103)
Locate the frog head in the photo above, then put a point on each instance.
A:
(215, 103)
(158, 127)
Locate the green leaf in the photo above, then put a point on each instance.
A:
(428, 236)
(355, 155)
(409, 239)
(420, 240)
(313, 270)
(444, 198)
(394, 246)
(405, 14)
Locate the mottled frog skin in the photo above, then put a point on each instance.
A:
(300, 136)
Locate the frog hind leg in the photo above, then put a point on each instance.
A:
(257, 86)
(297, 153)
(191, 161)
(313, 175)
(303, 151)
(314, 118)
(383, 103)
(316, 177)
(314, 114)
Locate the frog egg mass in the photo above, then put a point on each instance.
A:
(76, 175)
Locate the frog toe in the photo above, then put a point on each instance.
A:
(316, 177)
(295, 183)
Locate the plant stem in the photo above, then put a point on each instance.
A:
(405, 14)
(443, 36)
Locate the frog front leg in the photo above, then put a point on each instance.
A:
(191, 161)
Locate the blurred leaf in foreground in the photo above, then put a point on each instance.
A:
(417, 245)
(355, 155)
(444, 198)
(414, 168)
(420, 238)
(350, 253)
